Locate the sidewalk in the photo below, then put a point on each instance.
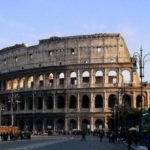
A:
(139, 147)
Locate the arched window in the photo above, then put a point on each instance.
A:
(112, 77)
(51, 79)
(61, 78)
(49, 102)
(85, 124)
(30, 82)
(127, 99)
(73, 78)
(9, 85)
(22, 82)
(73, 124)
(85, 77)
(138, 101)
(99, 77)
(60, 102)
(60, 124)
(15, 84)
(98, 101)
(22, 103)
(40, 103)
(41, 80)
(112, 100)
(30, 103)
(98, 124)
(72, 102)
(126, 76)
(85, 102)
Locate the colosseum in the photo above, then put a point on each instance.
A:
(68, 83)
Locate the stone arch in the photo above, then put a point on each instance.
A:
(9, 85)
(30, 103)
(49, 124)
(30, 125)
(98, 101)
(60, 124)
(41, 80)
(85, 77)
(73, 102)
(60, 101)
(85, 124)
(73, 78)
(40, 103)
(15, 84)
(85, 101)
(98, 123)
(49, 102)
(22, 103)
(112, 100)
(126, 76)
(73, 124)
(112, 77)
(21, 125)
(30, 82)
(99, 77)
(138, 101)
(51, 79)
(39, 125)
(22, 82)
(127, 99)
(61, 78)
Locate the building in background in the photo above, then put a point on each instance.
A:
(68, 83)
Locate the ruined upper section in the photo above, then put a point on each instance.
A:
(72, 50)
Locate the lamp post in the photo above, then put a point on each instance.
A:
(13, 100)
(141, 60)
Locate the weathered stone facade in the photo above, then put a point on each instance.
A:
(68, 82)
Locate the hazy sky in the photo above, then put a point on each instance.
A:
(28, 21)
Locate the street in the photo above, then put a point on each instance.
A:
(61, 143)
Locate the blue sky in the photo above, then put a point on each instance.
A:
(27, 21)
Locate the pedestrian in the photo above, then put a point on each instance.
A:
(83, 138)
(101, 134)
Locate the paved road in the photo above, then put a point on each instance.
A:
(61, 143)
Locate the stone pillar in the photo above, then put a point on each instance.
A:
(134, 100)
(92, 124)
(33, 97)
(78, 78)
(92, 103)
(43, 127)
(66, 124)
(78, 123)
(119, 77)
(92, 77)
(54, 102)
(105, 76)
(148, 98)
(78, 102)
(54, 125)
(105, 122)
(105, 101)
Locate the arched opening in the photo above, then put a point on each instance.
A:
(85, 102)
(73, 78)
(73, 124)
(30, 82)
(98, 101)
(9, 85)
(110, 124)
(98, 124)
(49, 125)
(60, 124)
(15, 84)
(22, 103)
(21, 125)
(112, 100)
(40, 103)
(85, 77)
(51, 79)
(41, 81)
(72, 102)
(99, 77)
(61, 78)
(112, 77)
(85, 124)
(127, 99)
(39, 125)
(138, 101)
(30, 103)
(126, 76)
(22, 82)
(49, 102)
(60, 101)
(30, 125)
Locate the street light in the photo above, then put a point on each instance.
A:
(2, 108)
(141, 60)
(13, 100)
